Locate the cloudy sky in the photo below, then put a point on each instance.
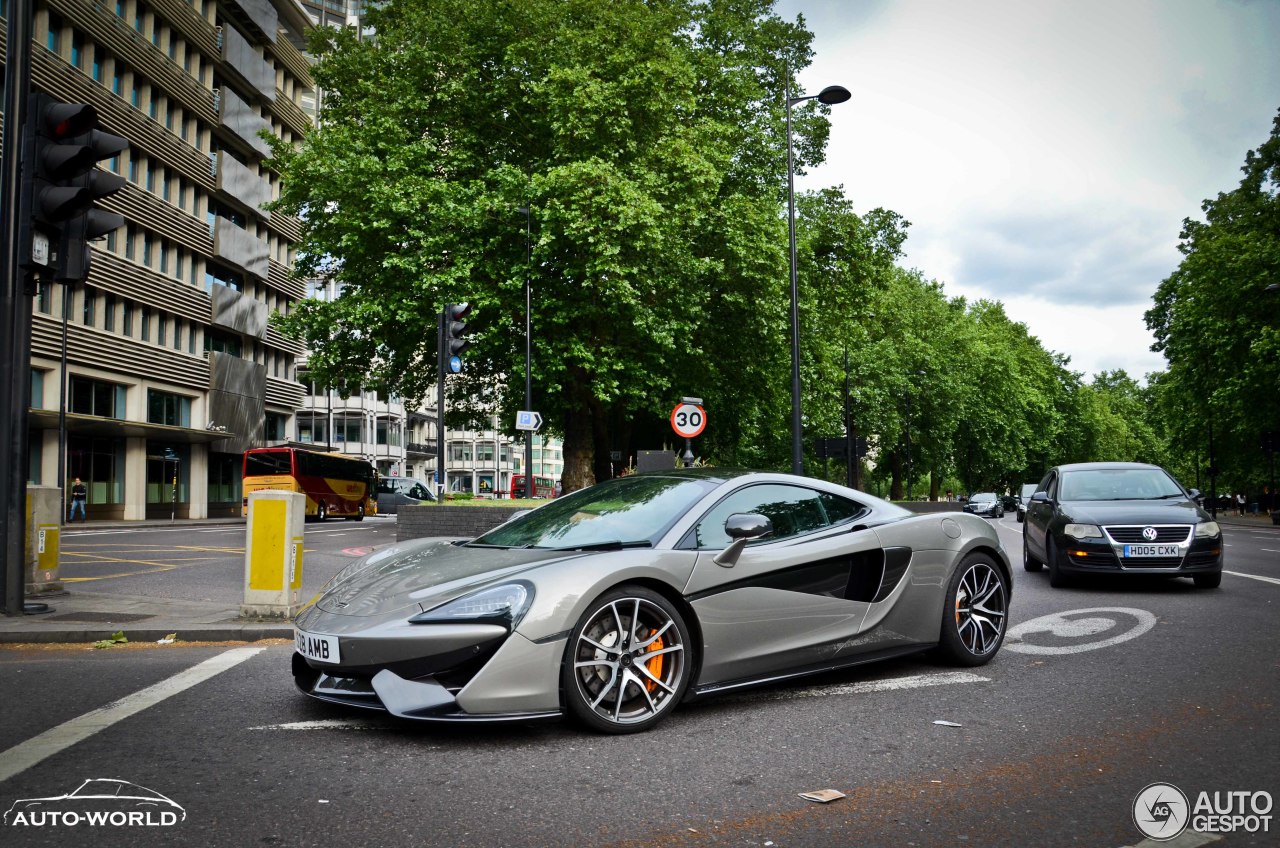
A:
(1046, 151)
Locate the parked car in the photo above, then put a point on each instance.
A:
(393, 492)
(986, 504)
(1119, 518)
(1024, 497)
(614, 603)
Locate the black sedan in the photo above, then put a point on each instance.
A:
(1119, 517)
(986, 504)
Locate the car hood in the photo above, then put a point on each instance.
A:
(424, 575)
(1179, 511)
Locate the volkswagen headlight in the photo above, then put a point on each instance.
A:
(505, 605)
(1083, 531)
(1208, 530)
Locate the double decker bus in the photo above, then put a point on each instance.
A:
(333, 483)
(543, 487)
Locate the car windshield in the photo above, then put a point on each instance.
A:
(626, 511)
(1118, 484)
(983, 497)
(1028, 490)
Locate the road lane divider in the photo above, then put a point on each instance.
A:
(26, 754)
(1253, 576)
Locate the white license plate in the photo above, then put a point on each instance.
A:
(316, 647)
(1151, 551)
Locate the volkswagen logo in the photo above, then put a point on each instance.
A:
(1149, 533)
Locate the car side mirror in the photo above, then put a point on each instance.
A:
(1040, 497)
(742, 527)
(1195, 494)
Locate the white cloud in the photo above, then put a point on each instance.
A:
(1046, 152)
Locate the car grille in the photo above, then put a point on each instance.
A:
(1166, 534)
(1151, 562)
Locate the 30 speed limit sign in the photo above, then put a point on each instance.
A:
(688, 420)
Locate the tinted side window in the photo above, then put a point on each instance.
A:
(792, 509)
(840, 510)
(1051, 485)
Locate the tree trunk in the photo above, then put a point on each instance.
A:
(579, 441)
(896, 477)
(934, 477)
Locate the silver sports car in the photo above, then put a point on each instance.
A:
(615, 603)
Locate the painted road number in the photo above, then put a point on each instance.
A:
(319, 648)
(1151, 551)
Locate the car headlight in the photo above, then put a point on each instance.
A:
(505, 605)
(1083, 531)
(1208, 530)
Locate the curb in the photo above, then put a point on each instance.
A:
(230, 633)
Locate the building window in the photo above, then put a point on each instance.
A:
(77, 49)
(221, 342)
(37, 389)
(97, 397)
(484, 453)
(109, 312)
(90, 301)
(54, 39)
(128, 319)
(146, 249)
(460, 452)
(117, 81)
(277, 427)
(146, 323)
(44, 297)
(165, 408)
(177, 334)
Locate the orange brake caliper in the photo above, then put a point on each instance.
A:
(654, 665)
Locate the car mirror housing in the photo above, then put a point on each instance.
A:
(747, 525)
(1040, 497)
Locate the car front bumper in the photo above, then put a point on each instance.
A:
(1095, 556)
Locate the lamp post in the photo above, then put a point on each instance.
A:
(829, 96)
(528, 346)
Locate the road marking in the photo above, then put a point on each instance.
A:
(26, 754)
(1253, 576)
(1057, 624)
(329, 724)
(1269, 550)
(893, 684)
(1187, 839)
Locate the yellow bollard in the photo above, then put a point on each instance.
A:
(273, 554)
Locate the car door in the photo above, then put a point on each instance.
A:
(1039, 514)
(792, 599)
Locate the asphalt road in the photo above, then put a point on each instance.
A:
(1102, 689)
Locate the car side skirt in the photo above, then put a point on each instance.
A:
(707, 689)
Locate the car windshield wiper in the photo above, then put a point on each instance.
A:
(611, 545)
(1165, 497)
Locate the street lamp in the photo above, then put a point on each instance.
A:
(829, 96)
(528, 346)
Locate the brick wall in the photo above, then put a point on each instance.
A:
(415, 522)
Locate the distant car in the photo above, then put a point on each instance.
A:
(1119, 518)
(986, 504)
(614, 603)
(1024, 497)
(394, 492)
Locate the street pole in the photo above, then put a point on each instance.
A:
(528, 347)
(797, 455)
(62, 408)
(440, 475)
(15, 313)
(850, 441)
(1213, 473)
(908, 445)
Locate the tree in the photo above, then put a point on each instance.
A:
(1218, 329)
(645, 138)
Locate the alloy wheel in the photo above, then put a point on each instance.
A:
(980, 609)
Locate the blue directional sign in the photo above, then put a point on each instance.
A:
(528, 420)
(455, 364)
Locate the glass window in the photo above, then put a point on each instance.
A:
(44, 297)
(37, 389)
(165, 408)
(146, 323)
(54, 38)
(96, 397)
(90, 300)
(794, 510)
(77, 49)
(109, 312)
(162, 322)
(484, 452)
(128, 319)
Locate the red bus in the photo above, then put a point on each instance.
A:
(333, 483)
(543, 487)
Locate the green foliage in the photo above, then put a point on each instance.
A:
(117, 638)
(1220, 330)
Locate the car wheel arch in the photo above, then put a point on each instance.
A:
(995, 557)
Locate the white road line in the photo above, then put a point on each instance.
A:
(26, 754)
(917, 681)
(1253, 576)
(1269, 550)
(328, 724)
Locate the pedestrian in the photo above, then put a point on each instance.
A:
(950, 496)
(1239, 503)
(79, 500)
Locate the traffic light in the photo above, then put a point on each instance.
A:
(62, 145)
(455, 330)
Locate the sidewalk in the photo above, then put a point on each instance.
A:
(86, 617)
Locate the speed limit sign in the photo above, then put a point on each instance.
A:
(688, 420)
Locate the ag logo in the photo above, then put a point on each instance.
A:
(1161, 811)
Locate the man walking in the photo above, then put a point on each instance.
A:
(79, 500)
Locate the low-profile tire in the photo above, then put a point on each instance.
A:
(322, 512)
(1208, 579)
(1056, 578)
(628, 662)
(975, 617)
(1029, 562)
(359, 516)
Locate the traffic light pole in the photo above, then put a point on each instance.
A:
(440, 407)
(15, 313)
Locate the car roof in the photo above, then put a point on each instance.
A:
(1106, 466)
